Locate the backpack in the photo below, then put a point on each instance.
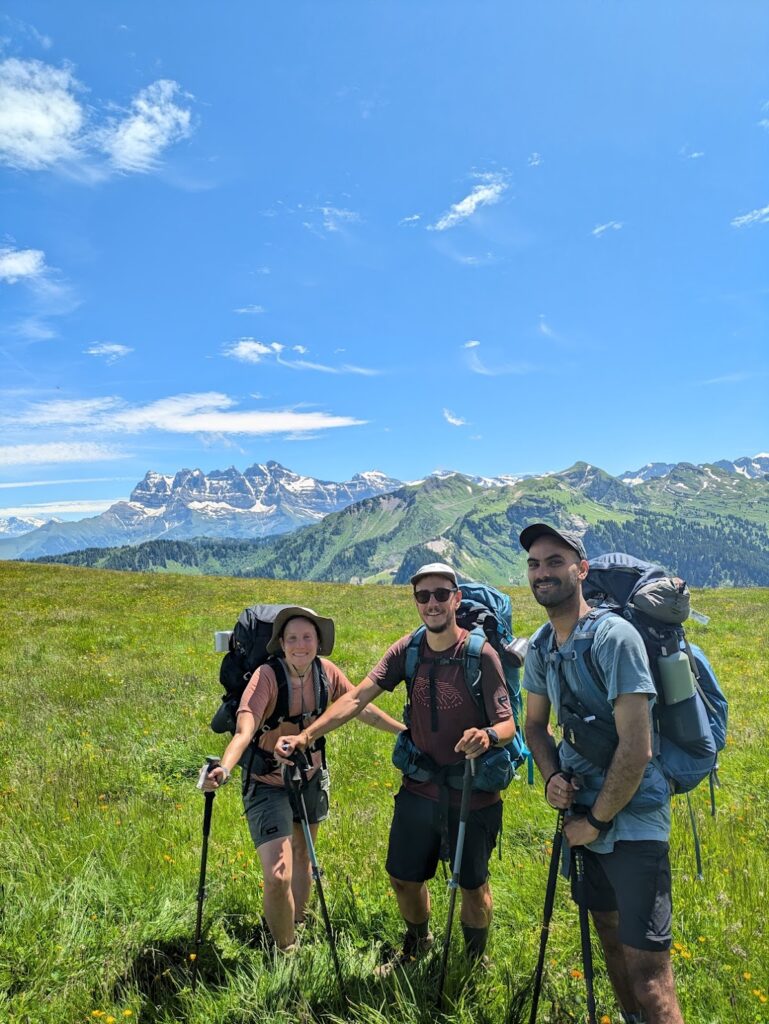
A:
(247, 651)
(487, 615)
(690, 730)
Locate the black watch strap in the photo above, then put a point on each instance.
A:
(602, 826)
(493, 735)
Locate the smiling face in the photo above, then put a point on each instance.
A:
(299, 642)
(437, 615)
(555, 572)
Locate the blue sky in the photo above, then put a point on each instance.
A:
(489, 236)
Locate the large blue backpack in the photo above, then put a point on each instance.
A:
(690, 733)
(488, 616)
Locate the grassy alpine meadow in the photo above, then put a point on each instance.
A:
(109, 681)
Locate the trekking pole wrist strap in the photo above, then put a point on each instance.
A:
(601, 826)
(552, 775)
(227, 775)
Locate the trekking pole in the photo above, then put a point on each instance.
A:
(464, 813)
(584, 932)
(211, 762)
(294, 779)
(552, 880)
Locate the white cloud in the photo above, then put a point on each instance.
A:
(334, 218)
(544, 328)
(476, 364)
(16, 264)
(455, 421)
(688, 154)
(72, 480)
(156, 121)
(40, 116)
(249, 350)
(535, 160)
(485, 194)
(472, 344)
(611, 225)
(754, 217)
(109, 351)
(58, 452)
(727, 378)
(410, 220)
(206, 413)
(249, 309)
(44, 123)
(61, 508)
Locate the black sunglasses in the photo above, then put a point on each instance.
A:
(441, 594)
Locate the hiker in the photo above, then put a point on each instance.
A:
(299, 636)
(620, 815)
(447, 725)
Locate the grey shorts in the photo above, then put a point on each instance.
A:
(270, 813)
(634, 880)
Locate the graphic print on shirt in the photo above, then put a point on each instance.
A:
(447, 695)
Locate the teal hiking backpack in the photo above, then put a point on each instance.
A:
(487, 615)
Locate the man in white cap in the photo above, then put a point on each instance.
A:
(447, 725)
(616, 798)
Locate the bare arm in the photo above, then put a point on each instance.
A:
(379, 719)
(624, 774)
(245, 727)
(559, 790)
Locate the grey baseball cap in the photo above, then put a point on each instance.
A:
(435, 569)
(536, 530)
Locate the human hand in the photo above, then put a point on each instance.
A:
(561, 791)
(287, 746)
(213, 779)
(473, 742)
(579, 832)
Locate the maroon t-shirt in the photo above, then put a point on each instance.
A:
(456, 709)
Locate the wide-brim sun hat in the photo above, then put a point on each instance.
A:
(324, 626)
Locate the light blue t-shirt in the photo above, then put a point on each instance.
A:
(619, 659)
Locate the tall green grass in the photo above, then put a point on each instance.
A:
(108, 683)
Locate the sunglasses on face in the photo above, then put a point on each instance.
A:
(441, 595)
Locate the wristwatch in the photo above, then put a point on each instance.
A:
(493, 736)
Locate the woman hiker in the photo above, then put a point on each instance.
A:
(299, 637)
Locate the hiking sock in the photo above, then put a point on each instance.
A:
(418, 931)
(475, 941)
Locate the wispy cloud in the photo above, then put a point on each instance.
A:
(249, 309)
(477, 365)
(413, 219)
(728, 378)
(754, 217)
(689, 154)
(486, 193)
(156, 120)
(204, 413)
(20, 264)
(58, 452)
(5, 486)
(47, 509)
(472, 344)
(534, 160)
(45, 123)
(249, 350)
(611, 225)
(454, 420)
(110, 352)
(545, 329)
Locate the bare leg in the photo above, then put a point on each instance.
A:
(651, 975)
(477, 906)
(606, 924)
(413, 900)
(301, 880)
(277, 863)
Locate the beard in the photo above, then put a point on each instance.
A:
(558, 592)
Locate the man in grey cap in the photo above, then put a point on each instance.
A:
(447, 726)
(602, 774)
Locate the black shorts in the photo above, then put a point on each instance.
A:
(634, 879)
(415, 840)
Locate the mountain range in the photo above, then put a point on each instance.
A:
(708, 523)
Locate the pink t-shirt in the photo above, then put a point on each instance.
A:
(260, 698)
(456, 709)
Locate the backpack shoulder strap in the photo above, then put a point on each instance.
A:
(280, 711)
(320, 686)
(412, 657)
(474, 643)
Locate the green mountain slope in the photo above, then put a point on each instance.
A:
(705, 524)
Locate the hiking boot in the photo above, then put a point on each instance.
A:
(414, 949)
